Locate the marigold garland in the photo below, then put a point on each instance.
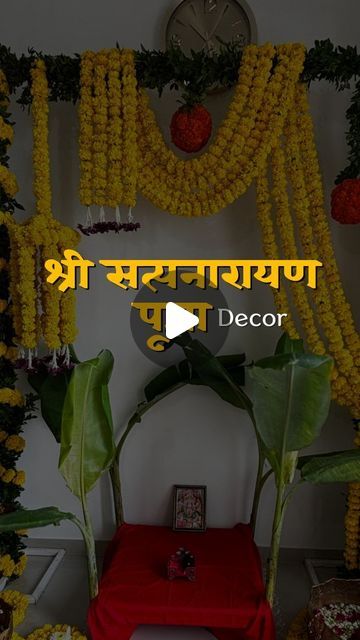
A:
(48, 630)
(41, 160)
(19, 603)
(8, 182)
(108, 137)
(86, 128)
(114, 129)
(100, 120)
(129, 110)
(324, 314)
(12, 405)
(43, 236)
(40, 234)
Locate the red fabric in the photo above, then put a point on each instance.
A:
(227, 597)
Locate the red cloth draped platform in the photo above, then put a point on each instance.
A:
(227, 597)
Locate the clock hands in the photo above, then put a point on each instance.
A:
(205, 36)
(198, 32)
(218, 21)
(201, 35)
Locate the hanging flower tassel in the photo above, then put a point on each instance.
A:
(89, 220)
(130, 225)
(116, 225)
(66, 354)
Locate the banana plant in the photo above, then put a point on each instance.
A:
(78, 412)
(87, 441)
(290, 399)
(169, 381)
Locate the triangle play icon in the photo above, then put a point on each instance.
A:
(178, 320)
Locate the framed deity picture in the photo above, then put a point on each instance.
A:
(189, 508)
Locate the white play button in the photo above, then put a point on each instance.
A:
(178, 320)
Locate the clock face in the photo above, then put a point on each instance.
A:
(203, 24)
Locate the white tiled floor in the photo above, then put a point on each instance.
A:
(65, 599)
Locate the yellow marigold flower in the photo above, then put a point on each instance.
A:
(8, 476)
(3, 349)
(8, 181)
(15, 443)
(12, 353)
(21, 565)
(6, 131)
(6, 569)
(45, 632)
(19, 478)
(17, 600)
(13, 397)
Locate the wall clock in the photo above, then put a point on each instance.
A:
(202, 24)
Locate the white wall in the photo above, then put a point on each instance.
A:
(192, 437)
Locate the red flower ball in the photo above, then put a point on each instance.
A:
(191, 128)
(345, 202)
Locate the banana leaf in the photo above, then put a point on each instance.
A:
(289, 345)
(32, 518)
(341, 466)
(291, 398)
(183, 373)
(213, 373)
(87, 441)
(52, 390)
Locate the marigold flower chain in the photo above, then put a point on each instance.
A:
(307, 235)
(18, 601)
(86, 127)
(36, 240)
(47, 631)
(12, 560)
(347, 384)
(289, 248)
(41, 160)
(114, 129)
(270, 247)
(108, 135)
(321, 226)
(214, 168)
(100, 120)
(268, 115)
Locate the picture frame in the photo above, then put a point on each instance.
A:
(189, 513)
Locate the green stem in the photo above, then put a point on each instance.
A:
(275, 546)
(117, 493)
(87, 533)
(87, 529)
(258, 488)
(281, 504)
(115, 468)
(260, 481)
